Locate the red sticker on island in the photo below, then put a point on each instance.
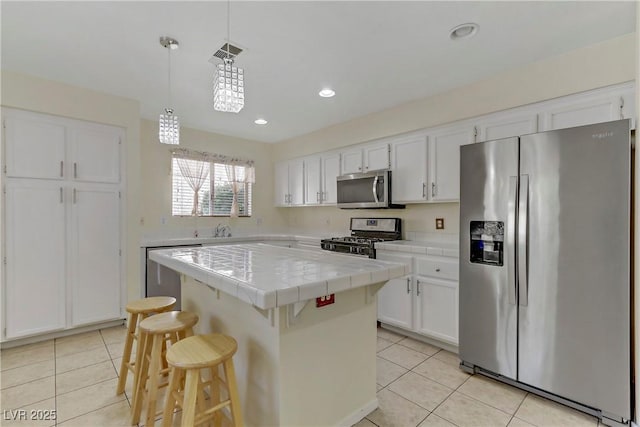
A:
(325, 300)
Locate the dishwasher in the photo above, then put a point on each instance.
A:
(161, 280)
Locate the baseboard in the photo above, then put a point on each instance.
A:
(359, 414)
(442, 344)
(59, 334)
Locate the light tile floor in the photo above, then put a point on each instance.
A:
(419, 385)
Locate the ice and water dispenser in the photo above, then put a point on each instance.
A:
(487, 242)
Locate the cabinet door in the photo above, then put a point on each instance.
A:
(35, 148)
(281, 183)
(351, 161)
(444, 161)
(94, 254)
(35, 251)
(437, 308)
(582, 110)
(330, 171)
(312, 190)
(409, 170)
(376, 157)
(507, 125)
(296, 182)
(95, 154)
(395, 302)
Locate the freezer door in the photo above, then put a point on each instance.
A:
(488, 191)
(574, 274)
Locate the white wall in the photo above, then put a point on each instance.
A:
(45, 96)
(599, 65)
(155, 185)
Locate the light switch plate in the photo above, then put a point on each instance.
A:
(439, 223)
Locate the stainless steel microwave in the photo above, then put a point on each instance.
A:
(369, 190)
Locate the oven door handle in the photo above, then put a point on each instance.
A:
(375, 189)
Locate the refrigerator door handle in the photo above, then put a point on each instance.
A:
(511, 239)
(523, 238)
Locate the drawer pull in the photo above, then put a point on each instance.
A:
(438, 270)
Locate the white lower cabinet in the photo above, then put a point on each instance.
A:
(425, 302)
(34, 299)
(395, 302)
(437, 308)
(94, 255)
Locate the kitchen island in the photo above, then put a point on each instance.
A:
(297, 364)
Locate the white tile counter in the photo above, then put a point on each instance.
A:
(439, 248)
(149, 242)
(267, 276)
(295, 358)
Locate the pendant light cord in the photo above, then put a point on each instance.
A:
(169, 76)
(228, 26)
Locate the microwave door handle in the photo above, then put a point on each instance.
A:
(375, 189)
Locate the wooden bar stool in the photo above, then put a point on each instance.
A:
(188, 357)
(138, 310)
(155, 332)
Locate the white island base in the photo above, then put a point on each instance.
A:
(315, 367)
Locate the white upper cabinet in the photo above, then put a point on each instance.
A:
(351, 161)
(35, 257)
(34, 148)
(505, 125)
(312, 180)
(330, 171)
(365, 158)
(444, 160)
(95, 154)
(587, 108)
(409, 170)
(376, 156)
(296, 182)
(289, 183)
(281, 183)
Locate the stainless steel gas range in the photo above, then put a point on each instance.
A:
(364, 233)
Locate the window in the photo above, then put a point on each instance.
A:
(216, 183)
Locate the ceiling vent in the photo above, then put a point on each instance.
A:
(222, 52)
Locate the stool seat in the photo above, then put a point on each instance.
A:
(201, 351)
(168, 322)
(151, 305)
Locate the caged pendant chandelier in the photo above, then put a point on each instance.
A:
(228, 86)
(169, 126)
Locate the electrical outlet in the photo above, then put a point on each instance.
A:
(439, 223)
(259, 222)
(163, 220)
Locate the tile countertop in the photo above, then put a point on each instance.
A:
(268, 276)
(177, 241)
(448, 249)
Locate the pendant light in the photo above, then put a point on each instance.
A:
(169, 126)
(228, 86)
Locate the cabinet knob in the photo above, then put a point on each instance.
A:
(438, 269)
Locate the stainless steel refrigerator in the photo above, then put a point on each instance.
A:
(545, 265)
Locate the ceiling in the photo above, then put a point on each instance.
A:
(375, 55)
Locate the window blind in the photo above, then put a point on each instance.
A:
(215, 195)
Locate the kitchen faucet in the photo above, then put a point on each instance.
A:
(222, 231)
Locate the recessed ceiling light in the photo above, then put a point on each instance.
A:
(260, 122)
(463, 31)
(326, 93)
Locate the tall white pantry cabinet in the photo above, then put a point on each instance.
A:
(62, 223)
